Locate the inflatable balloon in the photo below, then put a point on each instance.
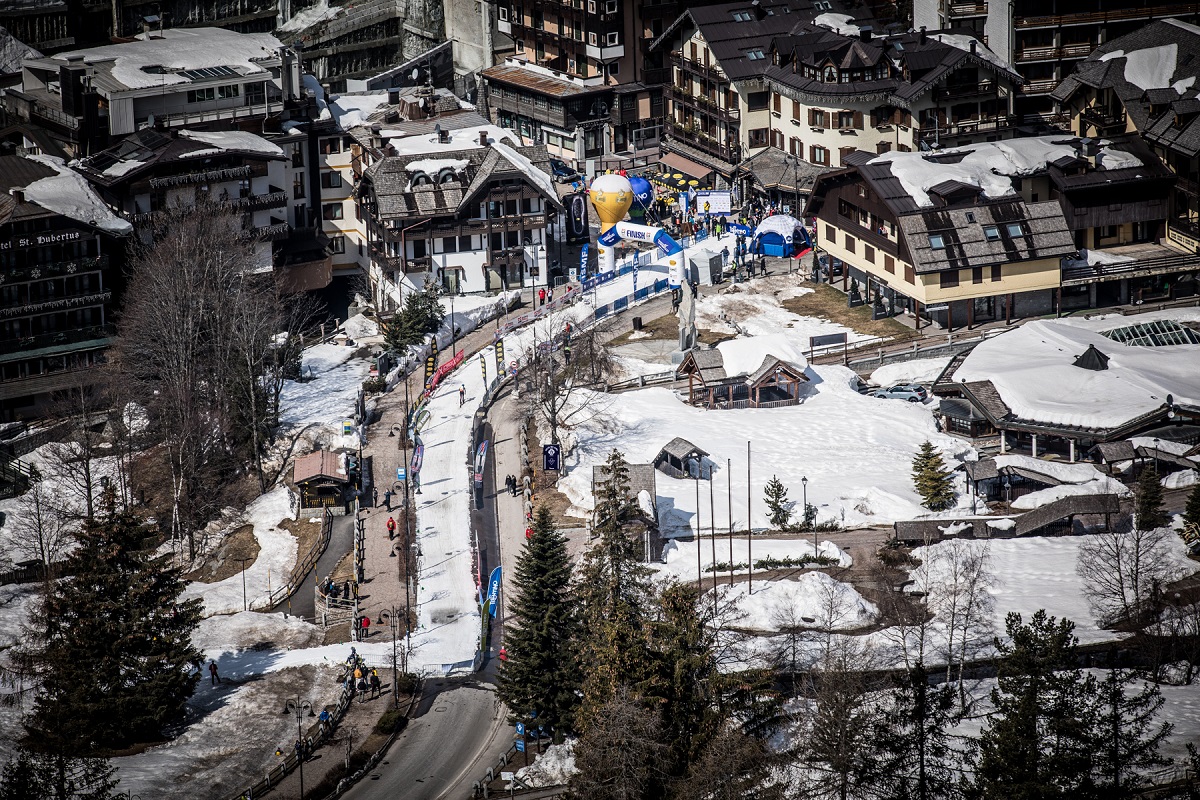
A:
(611, 196)
(643, 192)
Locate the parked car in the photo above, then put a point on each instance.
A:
(562, 173)
(826, 266)
(912, 392)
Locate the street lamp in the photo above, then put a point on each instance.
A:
(695, 464)
(795, 162)
(1155, 455)
(243, 561)
(537, 265)
(804, 489)
(298, 707)
(392, 618)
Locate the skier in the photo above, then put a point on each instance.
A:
(462, 395)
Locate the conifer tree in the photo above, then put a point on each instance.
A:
(616, 594)
(1039, 741)
(777, 502)
(932, 479)
(916, 760)
(404, 328)
(542, 672)
(36, 776)
(1148, 508)
(1191, 516)
(1126, 736)
(113, 646)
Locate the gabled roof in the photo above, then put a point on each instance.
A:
(966, 243)
(679, 449)
(1155, 65)
(320, 464)
(708, 365)
(140, 153)
(769, 365)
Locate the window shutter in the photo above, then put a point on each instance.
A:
(795, 109)
(777, 103)
(812, 117)
(858, 120)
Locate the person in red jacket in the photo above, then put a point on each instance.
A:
(391, 528)
(541, 297)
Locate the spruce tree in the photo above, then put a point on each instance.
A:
(36, 776)
(542, 672)
(430, 308)
(1191, 516)
(113, 649)
(1039, 740)
(932, 479)
(616, 597)
(1126, 736)
(1148, 507)
(916, 760)
(776, 498)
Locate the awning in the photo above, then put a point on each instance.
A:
(679, 163)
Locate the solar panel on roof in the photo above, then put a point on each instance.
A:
(102, 161)
(208, 72)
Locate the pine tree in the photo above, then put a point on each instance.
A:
(36, 776)
(777, 502)
(1126, 736)
(1148, 507)
(1191, 516)
(113, 649)
(541, 674)
(916, 760)
(932, 479)
(431, 311)
(616, 597)
(1038, 744)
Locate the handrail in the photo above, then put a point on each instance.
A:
(305, 566)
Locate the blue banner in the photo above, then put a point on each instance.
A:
(741, 230)
(609, 237)
(493, 591)
(583, 263)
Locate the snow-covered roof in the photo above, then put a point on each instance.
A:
(351, 110)
(318, 12)
(838, 23)
(13, 51)
(457, 139)
(241, 141)
(745, 354)
(988, 165)
(963, 42)
(432, 166)
(519, 160)
(162, 59)
(67, 193)
(1032, 368)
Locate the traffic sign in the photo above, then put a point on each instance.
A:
(550, 456)
(401, 474)
(520, 729)
(520, 745)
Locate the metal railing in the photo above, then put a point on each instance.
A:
(99, 333)
(57, 304)
(1084, 274)
(968, 9)
(305, 566)
(1054, 20)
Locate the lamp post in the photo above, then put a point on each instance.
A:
(804, 500)
(243, 561)
(297, 707)
(391, 616)
(696, 463)
(795, 162)
(1155, 455)
(537, 265)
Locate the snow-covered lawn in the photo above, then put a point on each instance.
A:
(679, 555)
(757, 310)
(329, 396)
(856, 452)
(813, 598)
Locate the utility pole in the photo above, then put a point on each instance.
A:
(242, 561)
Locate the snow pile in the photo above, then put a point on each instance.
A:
(311, 84)
(745, 354)
(1181, 479)
(1033, 369)
(330, 395)
(829, 604)
(432, 166)
(552, 768)
(459, 139)
(1006, 524)
(838, 23)
(270, 570)
(1101, 485)
(155, 61)
(1094, 258)
(919, 370)
(67, 193)
(226, 638)
(1150, 67)
(679, 555)
(352, 110)
(988, 165)
(1110, 158)
(122, 168)
(318, 12)
(360, 326)
(234, 140)
(955, 528)
(756, 310)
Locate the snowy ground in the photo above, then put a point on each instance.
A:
(679, 555)
(918, 370)
(856, 452)
(812, 599)
(756, 309)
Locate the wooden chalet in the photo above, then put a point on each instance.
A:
(775, 383)
(322, 479)
(675, 458)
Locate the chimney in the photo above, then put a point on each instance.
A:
(443, 136)
(18, 195)
(974, 45)
(483, 139)
(864, 34)
(923, 36)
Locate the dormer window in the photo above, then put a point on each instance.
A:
(741, 16)
(421, 179)
(830, 75)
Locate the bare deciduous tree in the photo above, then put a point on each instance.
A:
(620, 754)
(957, 583)
(1120, 570)
(560, 367)
(43, 532)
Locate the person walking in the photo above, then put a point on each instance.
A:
(346, 589)
(366, 627)
(391, 528)
(374, 497)
(462, 395)
(212, 673)
(374, 683)
(541, 297)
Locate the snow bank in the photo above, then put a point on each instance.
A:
(830, 604)
(1102, 485)
(679, 555)
(919, 370)
(1098, 257)
(67, 193)
(222, 637)
(235, 140)
(1006, 524)
(330, 396)
(552, 768)
(276, 557)
(352, 110)
(1181, 479)
(757, 311)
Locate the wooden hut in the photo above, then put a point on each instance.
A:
(322, 479)
(676, 456)
(775, 383)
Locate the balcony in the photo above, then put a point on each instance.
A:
(607, 52)
(272, 233)
(965, 127)
(260, 202)
(703, 105)
(56, 304)
(1052, 53)
(1113, 15)
(958, 91)
(696, 68)
(1043, 86)
(703, 142)
(201, 177)
(60, 341)
(49, 269)
(48, 382)
(1103, 120)
(960, 10)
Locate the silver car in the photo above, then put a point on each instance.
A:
(912, 392)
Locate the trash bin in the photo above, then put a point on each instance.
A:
(637, 323)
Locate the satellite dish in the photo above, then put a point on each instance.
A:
(416, 74)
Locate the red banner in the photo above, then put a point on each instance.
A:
(444, 370)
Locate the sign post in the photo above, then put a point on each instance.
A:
(493, 592)
(550, 457)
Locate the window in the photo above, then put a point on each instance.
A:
(996, 272)
(298, 186)
(759, 137)
(976, 274)
(818, 155)
(613, 38)
(937, 241)
(845, 119)
(613, 68)
(337, 244)
(742, 16)
(796, 110)
(331, 145)
(201, 95)
(843, 154)
(757, 101)
(949, 278)
(850, 243)
(796, 147)
(1014, 229)
(970, 216)
(817, 118)
(464, 244)
(610, 6)
(869, 253)
(230, 91)
(255, 94)
(449, 244)
(889, 264)
(991, 232)
(331, 179)
(776, 103)
(331, 211)
(831, 234)
(755, 55)
(503, 13)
